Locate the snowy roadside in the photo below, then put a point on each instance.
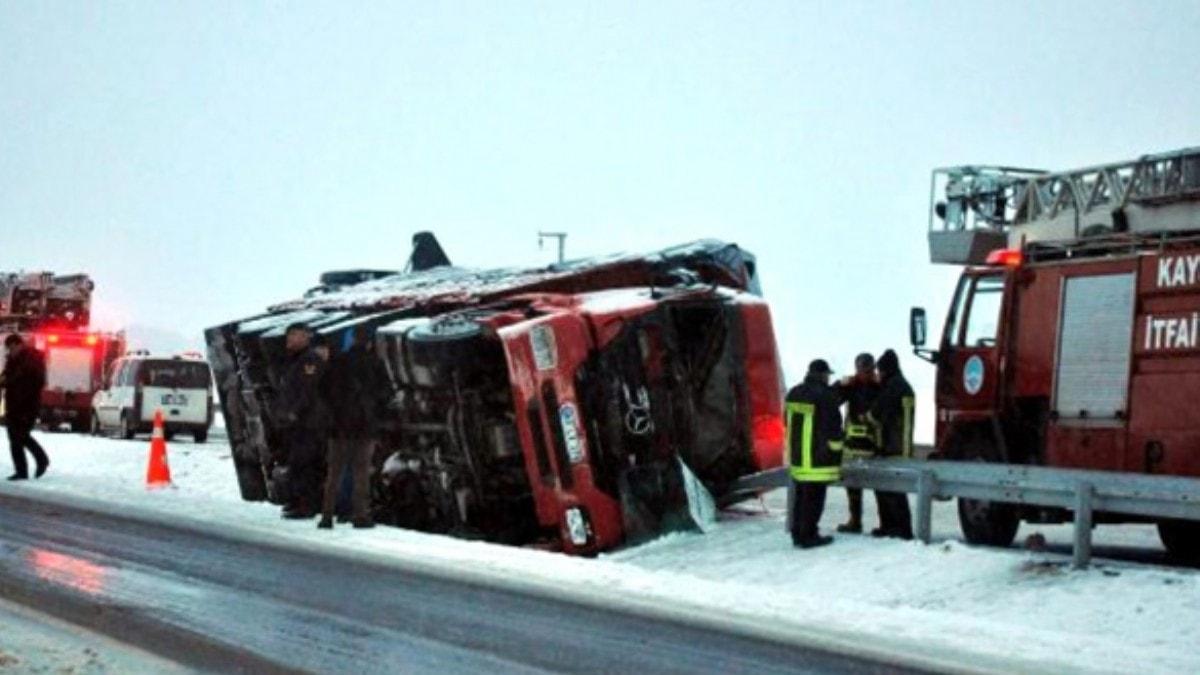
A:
(974, 608)
(34, 643)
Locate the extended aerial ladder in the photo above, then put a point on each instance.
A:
(33, 300)
(993, 207)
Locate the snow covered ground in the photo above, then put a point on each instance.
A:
(34, 643)
(975, 608)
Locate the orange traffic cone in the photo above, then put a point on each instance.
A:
(158, 474)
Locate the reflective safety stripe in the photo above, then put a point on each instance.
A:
(909, 404)
(858, 431)
(803, 470)
(829, 475)
(806, 411)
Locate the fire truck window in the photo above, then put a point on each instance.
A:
(960, 308)
(984, 321)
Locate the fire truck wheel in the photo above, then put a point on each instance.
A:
(200, 436)
(988, 523)
(79, 426)
(1181, 538)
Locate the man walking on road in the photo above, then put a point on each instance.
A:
(858, 392)
(814, 433)
(357, 389)
(303, 422)
(894, 412)
(23, 380)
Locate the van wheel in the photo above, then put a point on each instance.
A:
(127, 431)
(1181, 538)
(200, 436)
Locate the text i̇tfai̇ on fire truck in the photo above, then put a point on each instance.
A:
(52, 314)
(1073, 339)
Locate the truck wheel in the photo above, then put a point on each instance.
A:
(79, 426)
(251, 482)
(1181, 538)
(451, 344)
(988, 523)
(200, 435)
(127, 430)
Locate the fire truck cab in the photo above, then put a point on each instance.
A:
(1075, 341)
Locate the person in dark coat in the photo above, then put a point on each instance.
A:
(893, 413)
(814, 433)
(859, 392)
(303, 422)
(23, 380)
(357, 390)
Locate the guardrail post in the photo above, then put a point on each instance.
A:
(926, 486)
(1083, 524)
(791, 505)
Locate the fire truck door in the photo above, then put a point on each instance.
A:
(970, 377)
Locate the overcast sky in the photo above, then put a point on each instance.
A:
(202, 160)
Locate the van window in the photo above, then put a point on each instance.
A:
(984, 322)
(174, 374)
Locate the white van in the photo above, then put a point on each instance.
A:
(138, 384)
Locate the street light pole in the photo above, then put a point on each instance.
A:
(562, 242)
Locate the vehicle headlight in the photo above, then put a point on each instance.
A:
(577, 527)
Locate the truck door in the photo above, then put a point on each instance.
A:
(969, 374)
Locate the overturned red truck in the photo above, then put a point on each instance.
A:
(578, 406)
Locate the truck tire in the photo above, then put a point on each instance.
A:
(79, 426)
(200, 435)
(1181, 538)
(251, 482)
(987, 523)
(440, 347)
(126, 430)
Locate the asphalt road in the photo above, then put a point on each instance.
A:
(215, 604)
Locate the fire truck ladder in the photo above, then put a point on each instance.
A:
(985, 208)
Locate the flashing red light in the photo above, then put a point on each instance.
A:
(52, 339)
(91, 340)
(1008, 257)
(768, 431)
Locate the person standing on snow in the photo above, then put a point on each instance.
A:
(893, 412)
(814, 436)
(303, 422)
(357, 390)
(23, 380)
(859, 392)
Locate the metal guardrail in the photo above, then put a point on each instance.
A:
(1083, 492)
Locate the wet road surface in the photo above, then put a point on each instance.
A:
(217, 604)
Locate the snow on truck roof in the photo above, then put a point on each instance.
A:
(457, 285)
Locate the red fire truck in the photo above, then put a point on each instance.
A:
(52, 314)
(1073, 339)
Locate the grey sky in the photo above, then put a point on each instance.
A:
(202, 160)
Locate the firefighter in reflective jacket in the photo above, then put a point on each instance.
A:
(893, 412)
(859, 392)
(814, 431)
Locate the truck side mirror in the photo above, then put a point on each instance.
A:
(917, 327)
